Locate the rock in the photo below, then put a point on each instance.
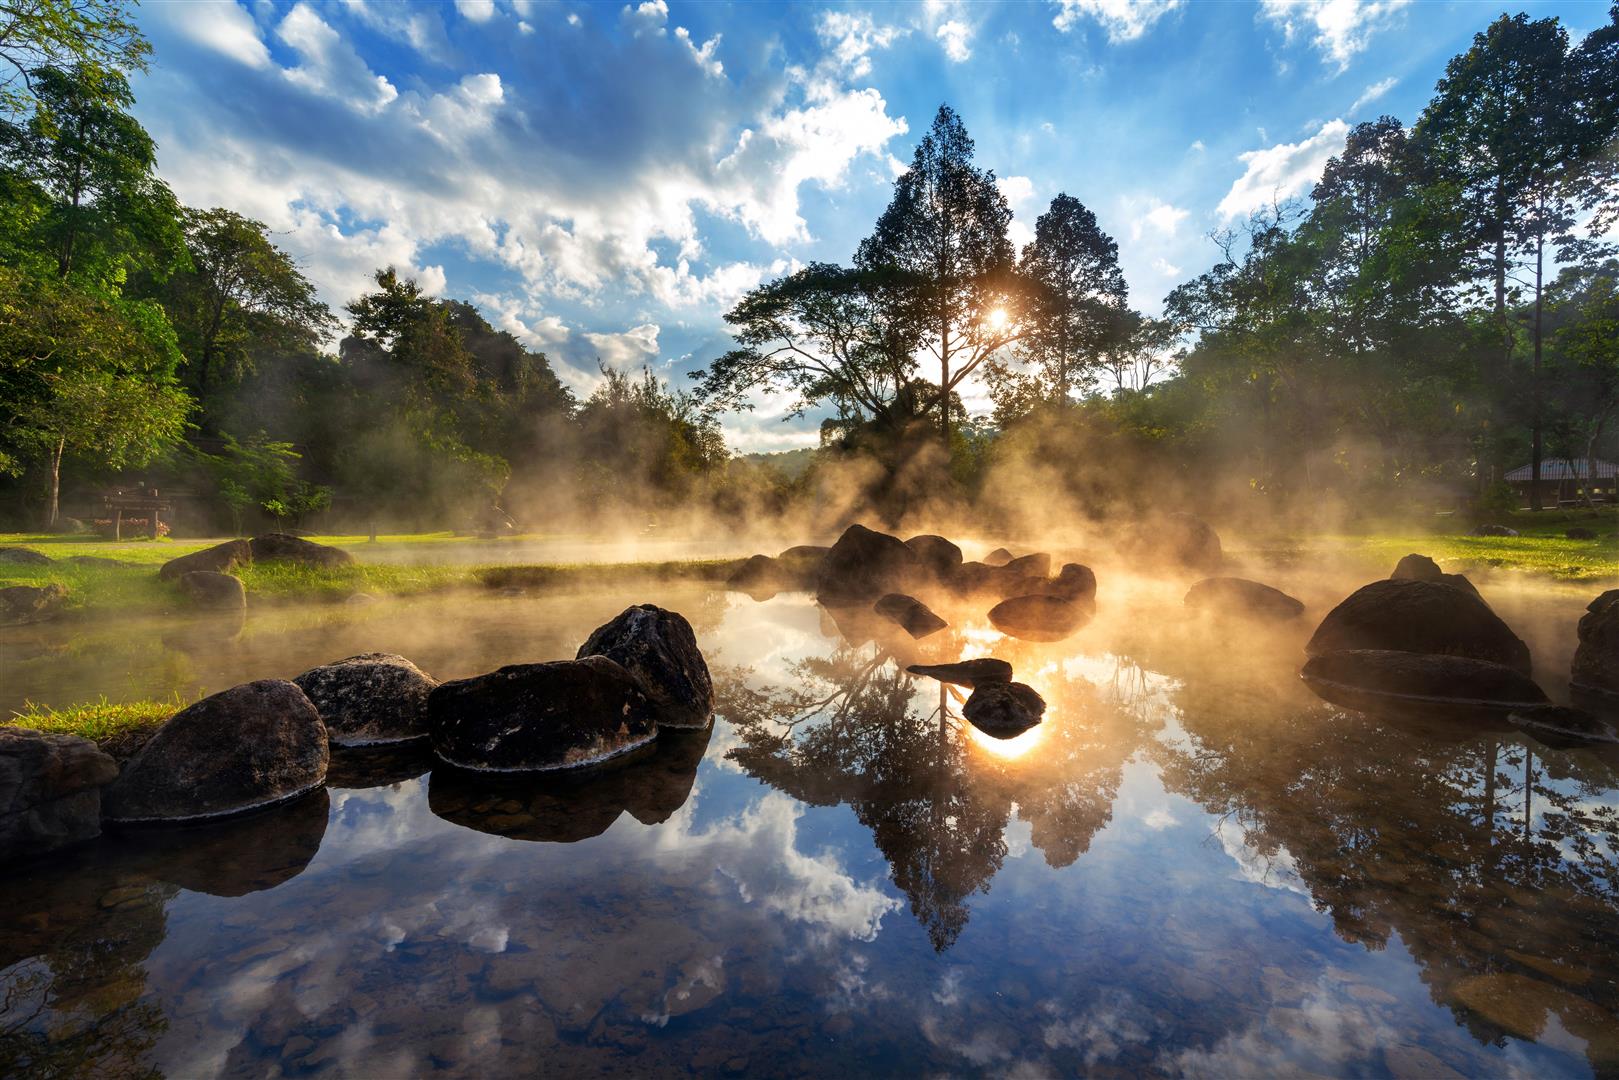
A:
(50, 791)
(236, 856)
(22, 556)
(1419, 617)
(21, 604)
(760, 576)
(370, 700)
(910, 614)
(284, 547)
(220, 559)
(1596, 661)
(1579, 533)
(1561, 727)
(1422, 685)
(1037, 565)
(1239, 597)
(564, 714)
(1004, 709)
(966, 672)
(659, 648)
(937, 555)
(980, 579)
(1039, 618)
(863, 565)
(210, 590)
(804, 553)
(1416, 567)
(1074, 582)
(247, 747)
(998, 557)
(1493, 530)
(1180, 539)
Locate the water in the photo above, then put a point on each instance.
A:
(1192, 867)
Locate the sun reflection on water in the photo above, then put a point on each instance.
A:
(1009, 749)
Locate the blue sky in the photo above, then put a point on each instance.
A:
(605, 179)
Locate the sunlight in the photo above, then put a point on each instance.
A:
(997, 319)
(1013, 748)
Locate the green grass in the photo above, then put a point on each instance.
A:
(119, 728)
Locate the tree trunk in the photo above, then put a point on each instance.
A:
(1534, 380)
(56, 479)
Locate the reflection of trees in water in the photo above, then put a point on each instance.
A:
(846, 730)
(1492, 858)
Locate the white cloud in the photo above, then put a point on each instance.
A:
(703, 56)
(1281, 171)
(956, 37)
(1159, 219)
(330, 65)
(1338, 28)
(1373, 92)
(648, 18)
(1017, 190)
(420, 28)
(852, 36)
(1197, 146)
(476, 10)
(1124, 20)
(222, 26)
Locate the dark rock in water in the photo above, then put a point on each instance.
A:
(1596, 661)
(1419, 617)
(1040, 618)
(760, 577)
(370, 700)
(565, 714)
(804, 553)
(998, 557)
(210, 590)
(220, 559)
(1422, 568)
(244, 748)
(1424, 685)
(1563, 728)
(284, 547)
(1579, 533)
(378, 765)
(659, 648)
(22, 556)
(1074, 582)
(20, 604)
(937, 555)
(1232, 596)
(50, 791)
(1000, 582)
(1493, 530)
(864, 565)
(237, 856)
(1004, 709)
(966, 672)
(565, 808)
(855, 623)
(910, 614)
(1180, 539)
(1037, 565)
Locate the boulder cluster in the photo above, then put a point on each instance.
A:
(997, 706)
(206, 576)
(270, 741)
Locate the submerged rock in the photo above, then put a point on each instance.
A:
(1004, 709)
(374, 699)
(1419, 617)
(1037, 565)
(1596, 662)
(1040, 618)
(863, 565)
(244, 748)
(22, 556)
(998, 557)
(210, 590)
(658, 647)
(219, 559)
(565, 714)
(1421, 685)
(50, 791)
(909, 614)
(937, 555)
(20, 604)
(284, 547)
(1233, 596)
(966, 672)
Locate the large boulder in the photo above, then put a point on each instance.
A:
(565, 714)
(373, 699)
(1596, 661)
(863, 565)
(219, 559)
(1421, 568)
(909, 614)
(21, 604)
(207, 589)
(1419, 685)
(1004, 709)
(759, 576)
(658, 647)
(284, 547)
(250, 746)
(1040, 618)
(22, 556)
(998, 557)
(804, 553)
(1074, 582)
(1241, 598)
(999, 582)
(1419, 617)
(1037, 565)
(50, 791)
(966, 672)
(937, 555)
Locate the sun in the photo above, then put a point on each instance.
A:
(997, 319)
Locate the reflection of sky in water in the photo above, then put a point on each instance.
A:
(1182, 871)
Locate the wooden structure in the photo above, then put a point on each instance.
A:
(135, 502)
(1569, 481)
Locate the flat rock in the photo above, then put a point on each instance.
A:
(22, 556)
(50, 791)
(208, 589)
(220, 559)
(658, 647)
(1004, 709)
(1241, 598)
(909, 614)
(966, 672)
(374, 699)
(937, 555)
(247, 747)
(1419, 617)
(21, 604)
(284, 547)
(1420, 685)
(1040, 618)
(863, 565)
(565, 714)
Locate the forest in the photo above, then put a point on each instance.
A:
(1443, 308)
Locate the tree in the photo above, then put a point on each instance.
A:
(942, 244)
(98, 35)
(260, 474)
(1584, 308)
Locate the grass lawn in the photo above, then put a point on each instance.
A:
(120, 729)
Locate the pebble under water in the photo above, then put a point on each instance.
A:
(1192, 866)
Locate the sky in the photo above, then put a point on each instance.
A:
(605, 180)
